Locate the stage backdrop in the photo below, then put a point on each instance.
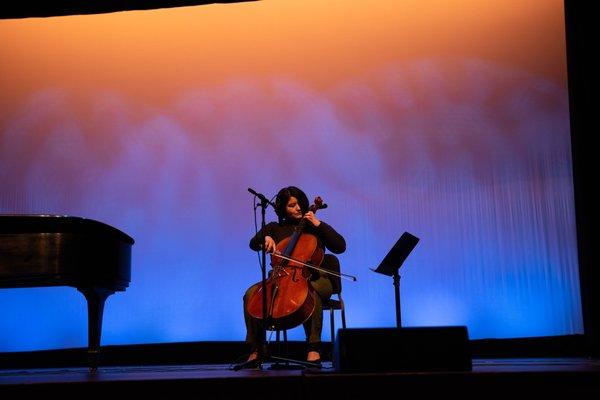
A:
(446, 119)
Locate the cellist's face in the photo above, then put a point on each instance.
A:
(293, 209)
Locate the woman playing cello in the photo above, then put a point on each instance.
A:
(292, 207)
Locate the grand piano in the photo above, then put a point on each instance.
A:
(55, 250)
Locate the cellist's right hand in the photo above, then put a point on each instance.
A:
(270, 245)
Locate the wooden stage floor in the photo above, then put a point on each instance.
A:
(518, 378)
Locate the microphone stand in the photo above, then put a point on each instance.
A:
(263, 352)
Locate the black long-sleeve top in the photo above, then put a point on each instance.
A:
(326, 235)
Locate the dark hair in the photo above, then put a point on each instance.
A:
(283, 197)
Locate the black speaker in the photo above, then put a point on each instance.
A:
(402, 349)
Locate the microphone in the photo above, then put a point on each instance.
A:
(261, 197)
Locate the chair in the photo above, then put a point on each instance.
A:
(332, 263)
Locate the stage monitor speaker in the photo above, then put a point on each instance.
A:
(402, 349)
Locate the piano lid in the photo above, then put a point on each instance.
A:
(55, 250)
(46, 223)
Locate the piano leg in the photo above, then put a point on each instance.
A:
(95, 296)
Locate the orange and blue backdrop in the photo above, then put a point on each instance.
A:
(446, 119)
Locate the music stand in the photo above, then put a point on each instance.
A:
(393, 261)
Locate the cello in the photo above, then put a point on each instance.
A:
(289, 295)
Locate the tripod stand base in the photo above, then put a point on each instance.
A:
(277, 364)
(285, 367)
(290, 364)
(253, 364)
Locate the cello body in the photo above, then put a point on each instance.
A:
(290, 297)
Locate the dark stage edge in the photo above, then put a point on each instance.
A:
(508, 377)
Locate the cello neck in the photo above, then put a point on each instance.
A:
(317, 205)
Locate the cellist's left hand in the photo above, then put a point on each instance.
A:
(310, 216)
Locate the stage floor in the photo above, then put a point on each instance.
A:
(493, 376)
